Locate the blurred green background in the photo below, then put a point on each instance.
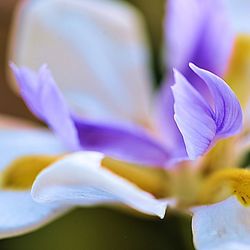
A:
(97, 228)
(106, 229)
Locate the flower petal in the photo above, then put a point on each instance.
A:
(172, 137)
(193, 116)
(125, 143)
(203, 121)
(99, 65)
(238, 74)
(238, 13)
(182, 21)
(20, 214)
(46, 102)
(200, 24)
(224, 225)
(19, 142)
(227, 109)
(79, 179)
(130, 143)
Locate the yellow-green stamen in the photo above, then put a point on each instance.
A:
(21, 173)
(224, 183)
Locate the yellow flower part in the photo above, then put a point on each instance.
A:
(224, 183)
(181, 184)
(223, 154)
(151, 179)
(238, 74)
(21, 173)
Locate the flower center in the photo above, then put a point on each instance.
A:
(224, 183)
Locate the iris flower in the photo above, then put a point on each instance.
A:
(185, 151)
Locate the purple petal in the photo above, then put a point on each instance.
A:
(193, 33)
(123, 142)
(182, 23)
(44, 99)
(200, 24)
(201, 123)
(27, 80)
(227, 109)
(127, 143)
(172, 136)
(193, 116)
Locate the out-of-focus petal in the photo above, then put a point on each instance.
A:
(239, 15)
(80, 179)
(238, 73)
(224, 225)
(44, 99)
(200, 121)
(129, 143)
(97, 51)
(18, 142)
(193, 33)
(20, 214)
(182, 21)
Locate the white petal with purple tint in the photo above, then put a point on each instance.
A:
(97, 51)
(224, 225)
(79, 179)
(19, 213)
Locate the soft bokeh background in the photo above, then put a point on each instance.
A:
(97, 228)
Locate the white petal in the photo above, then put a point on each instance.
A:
(239, 15)
(224, 225)
(96, 51)
(79, 179)
(229, 246)
(19, 214)
(19, 142)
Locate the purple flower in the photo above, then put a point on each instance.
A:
(196, 108)
(201, 123)
(133, 142)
